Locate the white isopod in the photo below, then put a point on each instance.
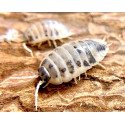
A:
(39, 32)
(69, 61)
(46, 30)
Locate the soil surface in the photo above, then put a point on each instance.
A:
(104, 90)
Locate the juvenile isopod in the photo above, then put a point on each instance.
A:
(69, 61)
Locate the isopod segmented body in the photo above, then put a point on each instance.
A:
(69, 61)
(46, 30)
(37, 33)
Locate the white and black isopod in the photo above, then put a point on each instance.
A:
(69, 61)
(46, 30)
(39, 32)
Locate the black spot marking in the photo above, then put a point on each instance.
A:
(50, 66)
(56, 75)
(51, 32)
(78, 63)
(90, 56)
(81, 41)
(100, 48)
(45, 32)
(55, 30)
(57, 33)
(44, 28)
(40, 71)
(50, 54)
(71, 70)
(97, 45)
(30, 38)
(44, 62)
(69, 62)
(70, 66)
(79, 51)
(63, 70)
(75, 46)
(85, 63)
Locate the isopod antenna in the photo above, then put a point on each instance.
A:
(115, 36)
(36, 93)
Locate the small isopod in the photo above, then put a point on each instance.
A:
(39, 32)
(46, 30)
(69, 61)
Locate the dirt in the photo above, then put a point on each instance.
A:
(103, 91)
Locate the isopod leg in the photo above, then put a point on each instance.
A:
(79, 77)
(49, 42)
(103, 67)
(27, 49)
(62, 41)
(86, 77)
(39, 45)
(75, 81)
(85, 74)
(54, 43)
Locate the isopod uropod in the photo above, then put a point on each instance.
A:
(69, 61)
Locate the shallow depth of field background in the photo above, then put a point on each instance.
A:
(103, 91)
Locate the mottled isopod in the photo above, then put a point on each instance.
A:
(39, 32)
(46, 30)
(69, 61)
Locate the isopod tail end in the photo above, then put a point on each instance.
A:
(109, 44)
(36, 94)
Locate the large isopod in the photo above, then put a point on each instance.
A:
(69, 61)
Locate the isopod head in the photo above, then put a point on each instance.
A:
(44, 75)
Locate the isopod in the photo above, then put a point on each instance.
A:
(69, 61)
(46, 30)
(39, 32)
